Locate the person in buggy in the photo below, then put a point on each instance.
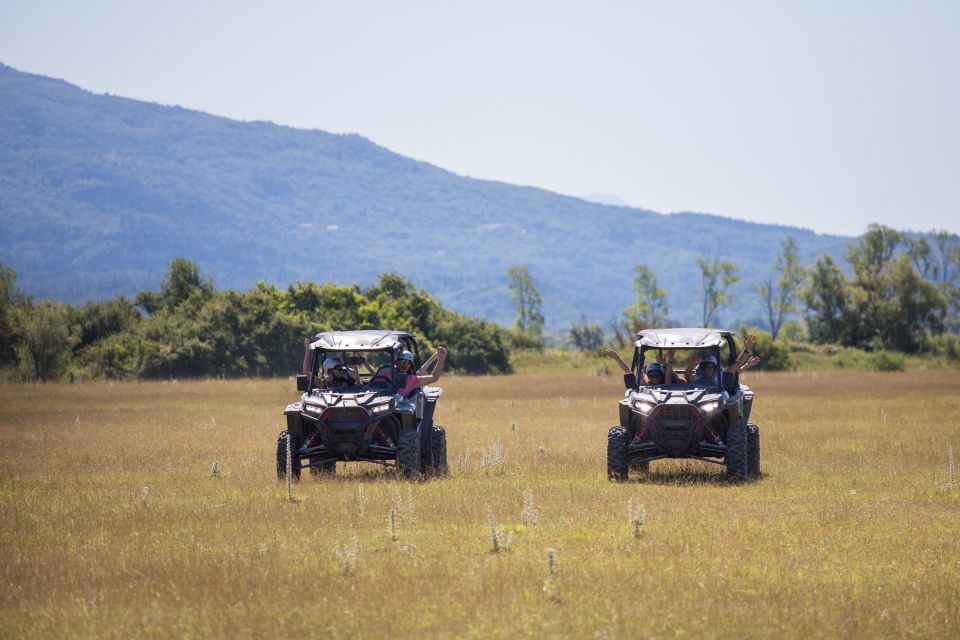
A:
(429, 373)
(337, 375)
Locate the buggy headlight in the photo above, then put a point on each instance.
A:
(380, 409)
(313, 408)
(644, 407)
(709, 407)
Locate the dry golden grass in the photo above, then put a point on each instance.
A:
(113, 526)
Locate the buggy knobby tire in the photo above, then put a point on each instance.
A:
(295, 464)
(408, 453)
(617, 463)
(435, 463)
(736, 457)
(753, 451)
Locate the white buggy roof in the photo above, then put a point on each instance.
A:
(683, 338)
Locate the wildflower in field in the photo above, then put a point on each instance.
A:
(499, 539)
(145, 495)
(215, 469)
(529, 516)
(410, 507)
(290, 497)
(361, 500)
(951, 473)
(491, 460)
(638, 516)
(347, 555)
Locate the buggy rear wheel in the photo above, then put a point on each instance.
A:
(753, 451)
(283, 439)
(617, 466)
(736, 456)
(436, 462)
(408, 453)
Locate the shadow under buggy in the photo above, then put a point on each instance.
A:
(707, 421)
(370, 421)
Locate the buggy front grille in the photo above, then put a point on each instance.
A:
(675, 412)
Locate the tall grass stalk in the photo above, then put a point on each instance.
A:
(550, 584)
(392, 524)
(215, 469)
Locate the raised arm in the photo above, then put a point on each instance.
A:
(306, 356)
(616, 356)
(425, 369)
(752, 362)
(437, 371)
(670, 376)
(744, 355)
(688, 373)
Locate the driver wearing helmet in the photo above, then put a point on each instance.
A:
(337, 375)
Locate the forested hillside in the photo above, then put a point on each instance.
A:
(99, 193)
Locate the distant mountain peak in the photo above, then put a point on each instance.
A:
(606, 198)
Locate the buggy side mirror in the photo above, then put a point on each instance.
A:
(302, 382)
(630, 380)
(730, 382)
(399, 380)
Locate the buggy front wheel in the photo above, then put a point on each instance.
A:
(617, 464)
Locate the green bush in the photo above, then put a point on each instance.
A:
(887, 361)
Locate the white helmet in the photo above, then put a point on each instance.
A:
(330, 363)
(405, 355)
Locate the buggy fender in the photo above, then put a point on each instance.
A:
(294, 419)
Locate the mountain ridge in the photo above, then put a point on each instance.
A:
(99, 192)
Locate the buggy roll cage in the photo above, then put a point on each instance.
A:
(703, 340)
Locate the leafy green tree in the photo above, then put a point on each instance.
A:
(716, 279)
(45, 338)
(182, 282)
(826, 301)
(779, 298)
(585, 336)
(527, 300)
(869, 257)
(913, 309)
(95, 321)
(651, 308)
(9, 298)
(938, 260)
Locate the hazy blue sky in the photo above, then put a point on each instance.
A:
(825, 115)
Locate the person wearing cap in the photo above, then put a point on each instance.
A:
(704, 371)
(422, 377)
(654, 374)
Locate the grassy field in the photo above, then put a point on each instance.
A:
(114, 526)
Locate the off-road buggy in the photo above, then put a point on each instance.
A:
(705, 421)
(369, 422)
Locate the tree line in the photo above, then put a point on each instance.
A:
(896, 292)
(188, 328)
